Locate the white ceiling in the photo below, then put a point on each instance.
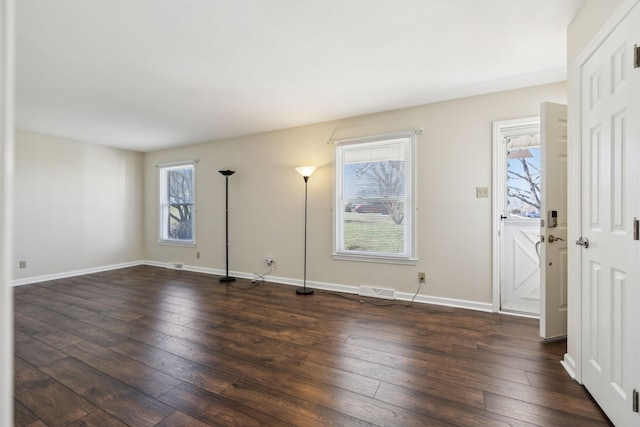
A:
(150, 74)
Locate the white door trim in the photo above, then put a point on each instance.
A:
(498, 183)
(573, 362)
(6, 185)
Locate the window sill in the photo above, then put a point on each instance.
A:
(186, 244)
(374, 258)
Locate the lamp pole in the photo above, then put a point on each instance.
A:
(306, 172)
(227, 173)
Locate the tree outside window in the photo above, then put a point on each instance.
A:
(373, 188)
(523, 183)
(177, 203)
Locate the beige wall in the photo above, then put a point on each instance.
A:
(77, 206)
(585, 26)
(267, 197)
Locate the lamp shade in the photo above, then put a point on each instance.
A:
(306, 171)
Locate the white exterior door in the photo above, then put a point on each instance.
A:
(610, 265)
(517, 183)
(553, 250)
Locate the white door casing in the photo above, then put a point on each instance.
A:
(6, 184)
(610, 188)
(553, 250)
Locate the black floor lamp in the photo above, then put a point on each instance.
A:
(227, 174)
(306, 172)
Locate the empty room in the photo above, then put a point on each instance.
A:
(300, 213)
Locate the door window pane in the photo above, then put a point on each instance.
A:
(523, 182)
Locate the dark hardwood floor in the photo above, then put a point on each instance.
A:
(148, 346)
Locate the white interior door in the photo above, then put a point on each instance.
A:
(610, 265)
(553, 250)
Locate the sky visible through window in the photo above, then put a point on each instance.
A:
(523, 185)
(363, 185)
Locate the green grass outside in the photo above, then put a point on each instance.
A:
(372, 232)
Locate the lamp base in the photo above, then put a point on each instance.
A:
(304, 291)
(227, 279)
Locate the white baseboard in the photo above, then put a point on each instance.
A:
(448, 302)
(198, 269)
(332, 287)
(336, 287)
(516, 314)
(64, 275)
(570, 366)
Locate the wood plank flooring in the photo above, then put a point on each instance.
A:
(147, 346)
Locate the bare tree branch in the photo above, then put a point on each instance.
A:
(531, 176)
(388, 177)
(180, 194)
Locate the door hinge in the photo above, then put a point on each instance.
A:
(636, 56)
(636, 229)
(635, 401)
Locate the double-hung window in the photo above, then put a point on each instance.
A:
(177, 203)
(375, 197)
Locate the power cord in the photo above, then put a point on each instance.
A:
(361, 301)
(258, 280)
(246, 288)
(416, 294)
(260, 277)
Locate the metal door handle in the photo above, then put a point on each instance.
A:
(583, 241)
(553, 238)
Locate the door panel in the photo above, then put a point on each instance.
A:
(521, 271)
(553, 267)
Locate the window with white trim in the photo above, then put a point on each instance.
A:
(374, 191)
(177, 203)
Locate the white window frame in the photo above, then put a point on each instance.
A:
(163, 204)
(409, 255)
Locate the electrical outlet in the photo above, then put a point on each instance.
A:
(23, 264)
(422, 277)
(197, 254)
(268, 260)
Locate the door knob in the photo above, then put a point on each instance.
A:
(553, 238)
(583, 241)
